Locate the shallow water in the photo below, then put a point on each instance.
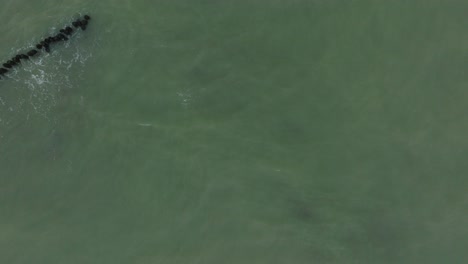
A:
(235, 132)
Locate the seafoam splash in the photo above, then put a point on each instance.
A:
(34, 88)
(185, 96)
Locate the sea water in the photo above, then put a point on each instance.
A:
(281, 131)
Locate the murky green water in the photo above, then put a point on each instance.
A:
(284, 131)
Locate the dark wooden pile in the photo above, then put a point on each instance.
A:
(45, 44)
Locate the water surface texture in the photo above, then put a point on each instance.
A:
(263, 132)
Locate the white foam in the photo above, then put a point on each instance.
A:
(185, 96)
(39, 80)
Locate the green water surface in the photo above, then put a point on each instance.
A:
(281, 131)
